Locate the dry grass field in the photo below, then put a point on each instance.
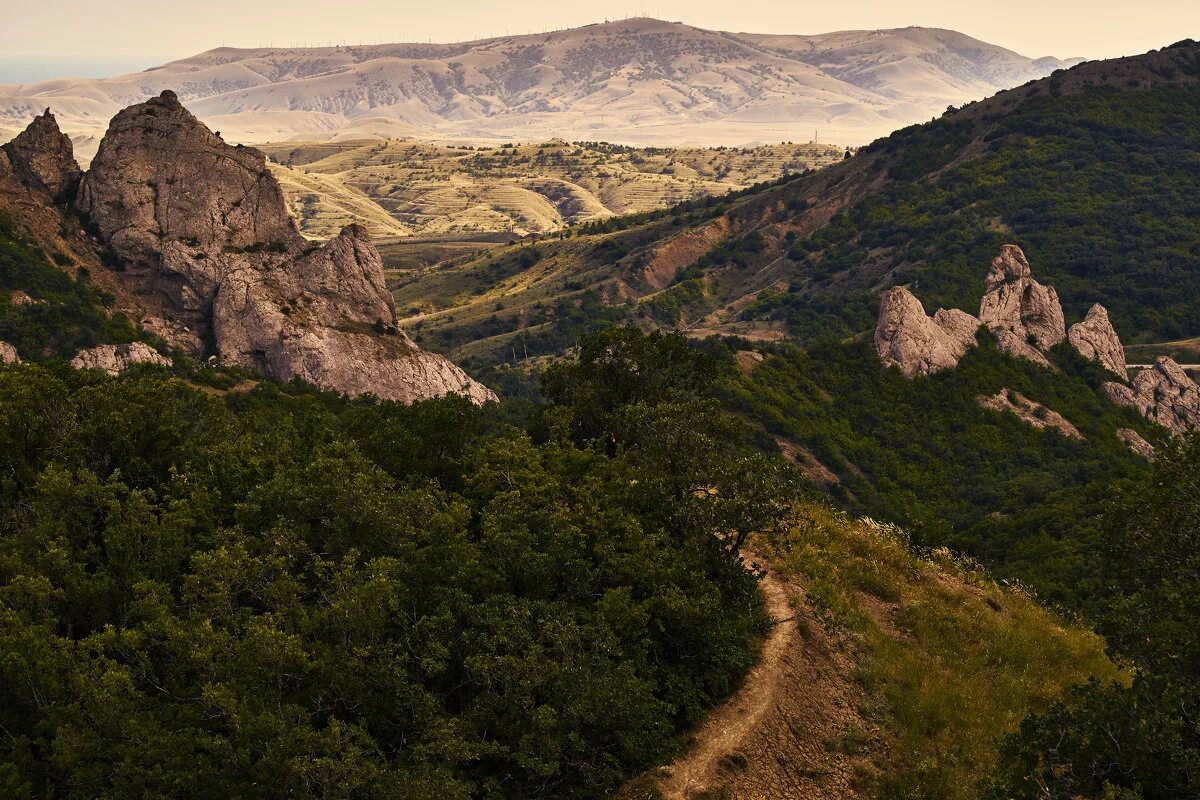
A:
(407, 187)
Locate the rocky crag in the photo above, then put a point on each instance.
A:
(42, 157)
(1096, 340)
(113, 358)
(1163, 393)
(1025, 316)
(916, 343)
(204, 240)
(1027, 320)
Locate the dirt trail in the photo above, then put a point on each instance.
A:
(792, 732)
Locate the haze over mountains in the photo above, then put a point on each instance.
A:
(639, 81)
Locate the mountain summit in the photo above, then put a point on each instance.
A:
(639, 81)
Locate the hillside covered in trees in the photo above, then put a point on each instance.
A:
(1092, 170)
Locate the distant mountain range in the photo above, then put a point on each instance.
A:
(639, 81)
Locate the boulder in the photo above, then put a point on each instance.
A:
(908, 338)
(203, 225)
(42, 158)
(8, 354)
(1026, 317)
(1162, 393)
(1096, 340)
(1134, 441)
(112, 358)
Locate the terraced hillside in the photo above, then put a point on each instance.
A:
(408, 187)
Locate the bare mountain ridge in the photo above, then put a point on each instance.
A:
(639, 81)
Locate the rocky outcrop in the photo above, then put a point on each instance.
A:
(1030, 412)
(1026, 317)
(113, 358)
(8, 354)
(1162, 393)
(203, 226)
(906, 337)
(43, 159)
(1134, 441)
(1096, 340)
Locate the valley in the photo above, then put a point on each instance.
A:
(411, 188)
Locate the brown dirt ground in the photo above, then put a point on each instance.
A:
(794, 730)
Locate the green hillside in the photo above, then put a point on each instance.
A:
(924, 454)
(1095, 172)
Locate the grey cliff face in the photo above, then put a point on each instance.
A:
(203, 225)
(1163, 394)
(1096, 340)
(918, 344)
(1026, 316)
(8, 354)
(42, 157)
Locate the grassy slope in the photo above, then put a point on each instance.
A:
(429, 189)
(888, 674)
(951, 660)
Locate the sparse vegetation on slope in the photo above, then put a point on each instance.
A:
(951, 662)
(406, 187)
(43, 311)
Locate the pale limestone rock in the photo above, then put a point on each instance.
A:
(8, 354)
(1096, 340)
(203, 224)
(1029, 411)
(42, 157)
(112, 358)
(1162, 393)
(908, 338)
(1134, 441)
(1025, 316)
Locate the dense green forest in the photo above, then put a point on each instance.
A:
(1140, 742)
(282, 592)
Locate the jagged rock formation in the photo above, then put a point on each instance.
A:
(1163, 394)
(1096, 340)
(112, 358)
(8, 354)
(1134, 441)
(1026, 317)
(201, 226)
(42, 157)
(908, 338)
(1029, 411)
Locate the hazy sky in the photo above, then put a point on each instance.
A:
(101, 35)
